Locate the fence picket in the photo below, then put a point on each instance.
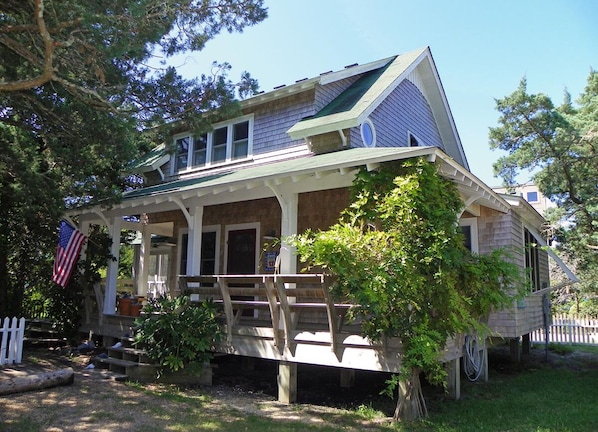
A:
(11, 348)
(570, 329)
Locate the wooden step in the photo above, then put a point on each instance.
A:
(44, 341)
(143, 372)
(128, 353)
(119, 362)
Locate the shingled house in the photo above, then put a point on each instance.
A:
(285, 166)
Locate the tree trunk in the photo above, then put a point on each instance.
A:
(411, 404)
(37, 381)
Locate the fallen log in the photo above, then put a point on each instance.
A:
(37, 381)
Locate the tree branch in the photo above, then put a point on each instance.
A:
(46, 65)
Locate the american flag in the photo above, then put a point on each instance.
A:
(67, 253)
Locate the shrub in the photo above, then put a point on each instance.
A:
(176, 333)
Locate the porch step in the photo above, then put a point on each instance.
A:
(128, 353)
(42, 332)
(127, 369)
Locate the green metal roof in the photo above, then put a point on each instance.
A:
(150, 161)
(348, 98)
(350, 108)
(310, 164)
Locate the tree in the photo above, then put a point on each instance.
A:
(80, 100)
(399, 254)
(558, 146)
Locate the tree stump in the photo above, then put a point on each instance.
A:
(37, 381)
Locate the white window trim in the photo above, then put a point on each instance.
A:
(369, 122)
(473, 224)
(204, 229)
(209, 146)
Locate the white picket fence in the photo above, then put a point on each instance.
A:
(569, 329)
(13, 331)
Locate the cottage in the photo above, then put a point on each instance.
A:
(285, 166)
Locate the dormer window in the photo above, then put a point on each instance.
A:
(182, 152)
(227, 142)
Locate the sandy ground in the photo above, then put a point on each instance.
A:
(94, 402)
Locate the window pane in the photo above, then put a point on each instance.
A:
(467, 241)
(240, 140)
(182, 149)
(219, 139)
(532, 196)
(240, 149)
(241, 131)
(185, 242)
(413, 141)
(219, 153)
(220, 136)
(199, 150)
(208, 253)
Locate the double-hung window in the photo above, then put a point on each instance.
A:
(182, 152)
(225, 143)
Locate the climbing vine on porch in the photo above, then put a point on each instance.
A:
(399, 254)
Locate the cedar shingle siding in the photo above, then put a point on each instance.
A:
(405, 109)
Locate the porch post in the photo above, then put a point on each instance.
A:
(84, 228)
(194, 243)
(287, 382)
(144, 260)
(347, 378)
(289, 206)
(112, 274)
(454, 378)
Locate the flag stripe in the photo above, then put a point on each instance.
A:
(67, 253)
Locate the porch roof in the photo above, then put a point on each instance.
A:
(305, 174)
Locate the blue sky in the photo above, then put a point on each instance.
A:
(481, 49)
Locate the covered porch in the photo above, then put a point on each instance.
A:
(254, 209)
(228, 232)
(291, 319)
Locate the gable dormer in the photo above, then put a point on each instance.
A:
(393, 102)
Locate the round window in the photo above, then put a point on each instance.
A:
(368, 133)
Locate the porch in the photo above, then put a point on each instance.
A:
(291, 319)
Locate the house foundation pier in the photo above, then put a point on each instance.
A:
(287, 382)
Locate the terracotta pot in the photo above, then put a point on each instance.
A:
(124, 305)
(135, 309)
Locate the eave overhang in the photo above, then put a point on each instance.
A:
(306, 174)
(307, 84)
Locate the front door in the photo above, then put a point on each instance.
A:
(241, 252)
(240, 258)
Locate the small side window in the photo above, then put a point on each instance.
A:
(368, 133)
(532, 196)
(413, 141)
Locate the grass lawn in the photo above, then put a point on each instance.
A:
(536, 396)
(561, 396)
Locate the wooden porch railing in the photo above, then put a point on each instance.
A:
(284, 296)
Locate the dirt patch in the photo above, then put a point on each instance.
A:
(95, 403)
